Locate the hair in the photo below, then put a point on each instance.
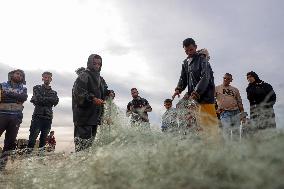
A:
(91, 59)
(133, 89)
(46, 73)
(253, 74)
(168, 101)
(52, 131)
(96, 56)
(228, 74)
(188, 41)
(11, 73)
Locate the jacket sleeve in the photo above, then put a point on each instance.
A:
(250, 95)
(271, 95)
(239, 100)
(205, 76)
(53, 100)
(37, 98)
(128, 109)
(105, 88)
(20, 97)
(148, 107)
(80, 93)
(182, 83)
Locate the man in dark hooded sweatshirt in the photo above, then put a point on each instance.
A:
(13, 95)
(88, 94)
(262, 98)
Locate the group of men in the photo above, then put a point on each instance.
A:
(197, 76)
(89, 95)
(90, 92)
(13, 95)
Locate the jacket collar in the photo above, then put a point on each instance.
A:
(192, 58)
(46, 87)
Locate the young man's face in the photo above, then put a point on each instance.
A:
(46, 78)
(227, 79)
(190, 50)
(168, 105)
(250, 79)
(17, 77)
(97, 64)
(134, 93)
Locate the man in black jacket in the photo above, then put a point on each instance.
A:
(88, 95)
(44, 98)
(197, 76)
(262, 98)
(138, 108)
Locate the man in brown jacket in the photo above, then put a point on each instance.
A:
(230, 106)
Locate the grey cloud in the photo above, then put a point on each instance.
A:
(115, 48)
(241, 36)
(228, 29)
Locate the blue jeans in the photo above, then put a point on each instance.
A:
(41, 126)
(230, 120)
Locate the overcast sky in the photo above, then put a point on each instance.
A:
(141, 45)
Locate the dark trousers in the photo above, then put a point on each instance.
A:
(84, 136)
(42, 126)
(10, 124)
(263, 117)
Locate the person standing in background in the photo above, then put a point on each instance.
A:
(13, 95)
(262, 98)
(44, 98)
(138, 108)
(230, 106)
